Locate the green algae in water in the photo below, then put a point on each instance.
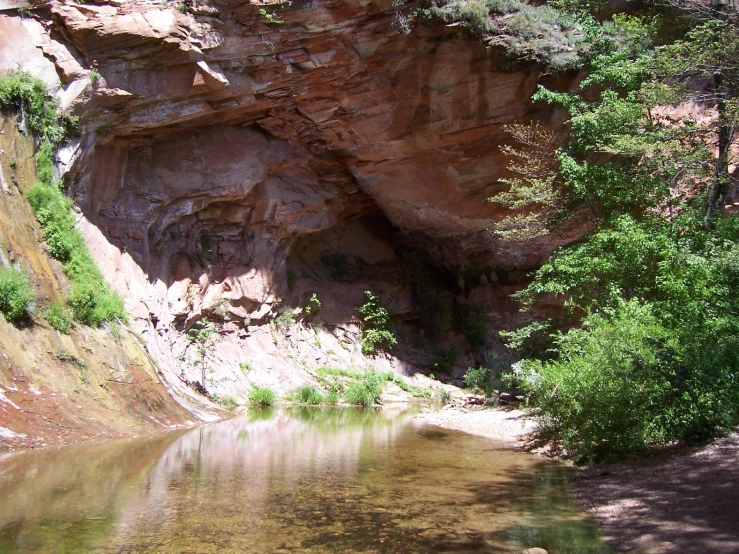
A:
(304, 479)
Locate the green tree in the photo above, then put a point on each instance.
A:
(203, 336)
(652, 347)
(532, 195)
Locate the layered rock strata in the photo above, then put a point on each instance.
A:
(231, 155)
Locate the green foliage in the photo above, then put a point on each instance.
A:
(651, 353)
(307, 394)
(663, 322)
(471, 322)
(264, 396)
(270, 17)
(182, 7)
(375, 333)
(444, 359)
(445, 396)
(534, 32)
(367, 391)
(332, 398)
(21, 91)
(416, 391)
(532, 194)
(312, 305)
(94, 76)
(90, 299)
(625, 382)
(245, 367)
(16, 294)
(480, 379)
(285, 320)
(227, 402)
(58, 317)
(203, 335)
(430, 299)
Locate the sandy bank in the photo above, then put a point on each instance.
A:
(502, 425)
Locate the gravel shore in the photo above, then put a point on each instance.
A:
(502, 425)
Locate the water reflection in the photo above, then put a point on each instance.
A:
(324, 480)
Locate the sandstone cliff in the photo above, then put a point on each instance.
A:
(239, 157)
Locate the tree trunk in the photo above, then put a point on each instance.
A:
(721, 176)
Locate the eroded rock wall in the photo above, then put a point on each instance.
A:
(56, 387)
(228, 162)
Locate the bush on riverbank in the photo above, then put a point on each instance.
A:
(263, 396)
(307, 394)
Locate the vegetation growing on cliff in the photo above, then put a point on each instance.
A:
(653, 354)
(551, 34)
(90, 299)
(16, 293)
(376, 333)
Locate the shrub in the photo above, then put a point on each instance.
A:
(405, 386)
(526, 31)
(58, 317)
(376, 320)
(367, 391)
(285, 320)
(15, 293)
(471, 321)
(625, 382)
(48, 125)
(332, 397)
(90, 299)
(264, 396)
(445, 396)
(307, 394)
(480, 379)
(444, 359)
(245, 367)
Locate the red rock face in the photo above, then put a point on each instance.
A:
(415, 121)
(219, 147)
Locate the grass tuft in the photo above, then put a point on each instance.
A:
(264, 396)
(58, 317)
(307, 394)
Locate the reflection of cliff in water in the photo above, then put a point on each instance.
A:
(138, 486)
(336, 480)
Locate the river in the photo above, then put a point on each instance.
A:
(291, 480)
